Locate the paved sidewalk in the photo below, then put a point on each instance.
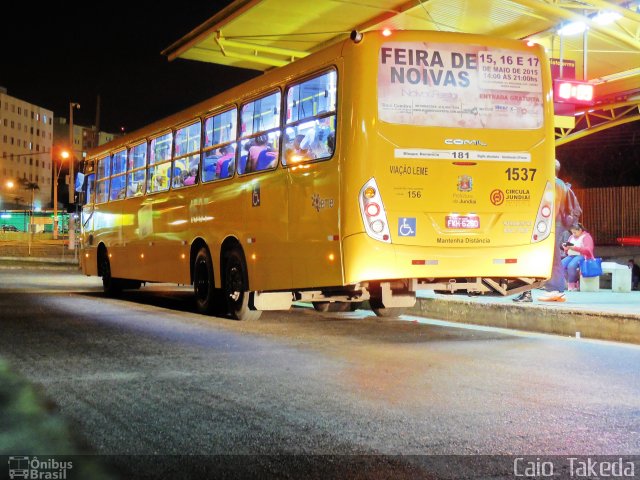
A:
(602, 315)
(43, 252)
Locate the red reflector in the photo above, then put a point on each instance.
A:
(511, 260)
(464, 164)
(385, 237)
(418, 262)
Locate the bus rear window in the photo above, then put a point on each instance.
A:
(459, 85)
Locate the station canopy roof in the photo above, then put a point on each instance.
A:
(264, 34)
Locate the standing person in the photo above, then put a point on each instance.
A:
(635, 273)
(579, 246)
(557, 284)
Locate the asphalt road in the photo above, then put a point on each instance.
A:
(299, 394)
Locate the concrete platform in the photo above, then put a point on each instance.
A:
(600, 315)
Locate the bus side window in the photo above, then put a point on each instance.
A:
(261, 132)
(89, 189)
(311, 120)
(218, 159)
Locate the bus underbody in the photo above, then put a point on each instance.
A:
(385, 297)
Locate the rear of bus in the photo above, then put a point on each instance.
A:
(448, 172)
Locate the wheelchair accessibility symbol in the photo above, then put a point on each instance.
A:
(406, 227)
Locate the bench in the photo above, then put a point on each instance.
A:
(620, 278)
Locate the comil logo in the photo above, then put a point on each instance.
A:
(38, 469)
(462, 141)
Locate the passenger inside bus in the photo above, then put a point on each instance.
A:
(315, 139)
(133, 189)
(191, 179)
(260, 144)
(158, 183)
(294, 153)
(224, 161)
(242, 164)
(178, 179)
(331, 142)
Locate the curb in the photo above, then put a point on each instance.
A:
(41, 260)
(619, 327)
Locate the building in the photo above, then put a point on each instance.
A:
(26, 139)
(84, 139)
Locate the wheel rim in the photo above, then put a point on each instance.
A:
(234, 284)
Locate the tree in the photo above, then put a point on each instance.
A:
(29, 185)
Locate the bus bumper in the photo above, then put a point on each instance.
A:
(368, 260)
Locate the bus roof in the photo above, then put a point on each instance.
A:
(256, 34)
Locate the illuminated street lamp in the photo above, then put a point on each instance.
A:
(8, 185)
(64, 155)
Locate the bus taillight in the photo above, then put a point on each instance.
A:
(372, 209)
(546, 211)
(374, 217)
(542, 225)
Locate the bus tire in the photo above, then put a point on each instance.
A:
(332, 306)
(235, 287)
(112, 287)
(208, 298)
(385, 312)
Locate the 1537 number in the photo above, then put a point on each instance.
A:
(517, 173)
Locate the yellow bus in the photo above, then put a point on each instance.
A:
(382, 165)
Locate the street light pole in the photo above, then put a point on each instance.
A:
(63, 155)
(72, 190)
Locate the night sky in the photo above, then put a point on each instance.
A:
(54, 53)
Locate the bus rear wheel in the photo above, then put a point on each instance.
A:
(208, 298)
(235, 285)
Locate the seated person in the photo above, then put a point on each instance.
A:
(296, 153)
(243, 162)
(226, 154)
(260, 144)
(267, 160)
(132, 189)
(178, 180)
(158, 183)
(192, 177)
(331, 142)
